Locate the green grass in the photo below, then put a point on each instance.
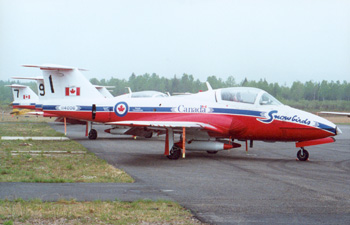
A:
(50, 168)
(96, 212)
(26, 129)
(54, 168)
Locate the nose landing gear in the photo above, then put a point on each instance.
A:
(302, 154)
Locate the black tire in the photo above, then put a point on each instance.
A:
(175, 153)
(92, 134)
(149, 135)
(304, 156)
(212, 152)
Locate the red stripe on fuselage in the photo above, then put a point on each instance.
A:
(23, 106)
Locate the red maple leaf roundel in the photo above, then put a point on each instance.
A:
(121, 108)
(72, 91)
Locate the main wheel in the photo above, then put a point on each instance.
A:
(92, 134)
(149, 135)
(303, 155)
(175, 153)
(212, 152)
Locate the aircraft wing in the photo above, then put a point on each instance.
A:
(168, 124)
(337, 113)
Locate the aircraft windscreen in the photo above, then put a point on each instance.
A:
(239, 95)
(267, 99)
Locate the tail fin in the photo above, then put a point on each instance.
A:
(23, 96)
(64, 82)
(39, 81)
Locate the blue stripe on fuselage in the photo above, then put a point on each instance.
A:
(80, 108)
(238, 112)
(150, 109)
(49, 107)
(98, 108)
(161, 109)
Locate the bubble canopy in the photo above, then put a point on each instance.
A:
(248, 96)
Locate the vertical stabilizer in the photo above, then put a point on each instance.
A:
(62, 82)
(23, 96)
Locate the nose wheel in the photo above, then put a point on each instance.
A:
(303, 155)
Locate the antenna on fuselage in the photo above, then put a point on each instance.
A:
(129, 89)
(208, 86)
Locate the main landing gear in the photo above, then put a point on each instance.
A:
(212, 152)
(92, 134)
(174, 153)
(302, 154)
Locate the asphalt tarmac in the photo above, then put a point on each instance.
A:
(265, 185)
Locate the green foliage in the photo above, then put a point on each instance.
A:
(9, 222)
(312, 91)
(315, 105)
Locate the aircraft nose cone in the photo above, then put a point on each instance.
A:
(338, 130)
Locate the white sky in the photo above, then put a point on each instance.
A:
(280, 40)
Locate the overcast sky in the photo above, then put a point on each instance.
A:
(281, 41)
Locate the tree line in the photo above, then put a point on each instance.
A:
(315, 95)
(309, 90)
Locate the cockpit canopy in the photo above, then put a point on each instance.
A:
(248, 96)
(148, 94)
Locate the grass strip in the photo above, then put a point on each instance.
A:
(27, 129)
(54, 168)
(25, 166)
(96, 212)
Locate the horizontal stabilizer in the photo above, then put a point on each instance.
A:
(52, 67)
(16, 86)
(28, 78)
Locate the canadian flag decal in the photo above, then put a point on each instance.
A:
(72, 91)
(26, 96)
